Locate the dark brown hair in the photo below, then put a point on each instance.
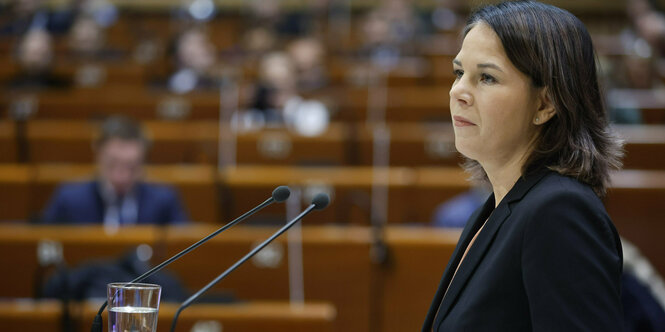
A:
(120, 127)
(554, 49)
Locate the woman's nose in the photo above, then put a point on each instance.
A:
(459, 93)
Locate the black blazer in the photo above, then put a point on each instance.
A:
(548, 259)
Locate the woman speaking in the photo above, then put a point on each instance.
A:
(541, 254)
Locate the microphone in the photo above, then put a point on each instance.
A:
(280, 194)
(319, 202)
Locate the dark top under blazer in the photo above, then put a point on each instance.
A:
(548, 259)
(81, 203)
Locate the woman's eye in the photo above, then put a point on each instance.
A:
(487, 79)
(458, 73)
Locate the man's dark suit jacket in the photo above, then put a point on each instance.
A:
(81, 203)
(548, 259)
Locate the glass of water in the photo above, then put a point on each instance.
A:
(133, 307)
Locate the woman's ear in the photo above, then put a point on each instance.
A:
(546, 109)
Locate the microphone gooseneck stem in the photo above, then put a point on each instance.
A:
(185, 251)
(219, 278)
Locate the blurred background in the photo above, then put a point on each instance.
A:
(131, 129)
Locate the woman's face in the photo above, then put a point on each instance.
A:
(492, 103)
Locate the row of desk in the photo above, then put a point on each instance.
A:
(213, 196)
(337, 265)
(405, 103)
(348, 104)
(338, 269)
(339, 70)
(25, 315)
(410, 144)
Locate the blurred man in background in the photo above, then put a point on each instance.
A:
(34, 56)
(117, 195)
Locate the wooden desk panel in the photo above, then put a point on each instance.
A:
(15, 191)
(442, 66)
(413, 144)
(417, 259)
(636, 195)
(30, 316)
(402, 104)
(241, 317)
(327, 252)
(197, 187)
(655, 116)
(645, 146)
(70, 141)
(635, 204)
(350, 189)
(34, 316)
(95, 103)
(8, 144)
(61, 141)
(279, 146)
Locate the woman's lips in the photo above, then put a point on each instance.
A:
(462, 122)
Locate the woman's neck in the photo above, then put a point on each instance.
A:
(503, 176)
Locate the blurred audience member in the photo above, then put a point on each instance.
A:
(390, 30)
(645, 68)
(269, 14)
(634, 69)
(639, 66)
(258, 42)
(35, 57)
(446, 17)
(195, 62)
(308, 55)
(195, 11)
(277, 84)
(19, 16)
(87, 41)
(648, 22)
(455, 212)
(86, 37)
(276, 100)
(103, 12)
(444, 24)
(117, 195)
(89, 52)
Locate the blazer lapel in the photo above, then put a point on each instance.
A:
(473, 257)
(475, 222)
(482, 243)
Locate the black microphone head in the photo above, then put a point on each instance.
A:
(320, 201)
(281, 193)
